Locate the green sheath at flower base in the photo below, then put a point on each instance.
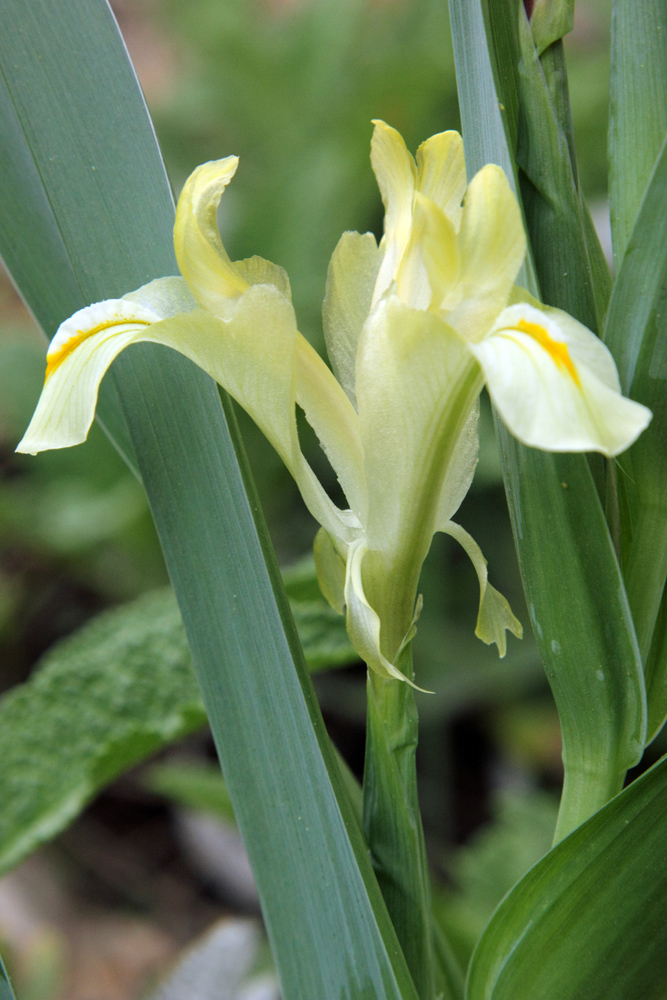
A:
(414, 329)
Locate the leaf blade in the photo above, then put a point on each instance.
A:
(589, 916)
(638, 109)
(593, 593)
(300, 834)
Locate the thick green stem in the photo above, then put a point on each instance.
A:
(392, 821)
(584, 793)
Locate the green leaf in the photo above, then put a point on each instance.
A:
(573, 585)
(638, 109)
(105, 699)
(636, 334)
(87, 182)
(99, 702)
(588, 920)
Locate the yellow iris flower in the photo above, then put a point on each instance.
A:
(414, 329)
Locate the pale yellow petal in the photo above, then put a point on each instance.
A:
(362, 621)
(441, 173)
(333, 418)
(431, 266)
(396, 175)
(552, 384)
(258, 271)
(461, 468)
(416, 385)
(492, 246)
(351, 278)
(202, 259)
(495, 616)
(330, 570)
(252, 354)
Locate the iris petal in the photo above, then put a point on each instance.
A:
(555, 384)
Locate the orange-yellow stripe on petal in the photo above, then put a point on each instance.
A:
(556, 349)
(55, 359)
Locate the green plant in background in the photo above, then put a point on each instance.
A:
(413, 329)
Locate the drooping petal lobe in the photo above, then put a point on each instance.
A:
(252, 354)
(554, 384)
(78, 356)
(495, 617)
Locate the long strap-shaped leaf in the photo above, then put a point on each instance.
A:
(589, 920)
(87, 214)
(573, 586)
(638, 109)
(636, 330)
(636, 333)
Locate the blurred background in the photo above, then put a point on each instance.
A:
(291, 86)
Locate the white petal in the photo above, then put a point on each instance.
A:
(78, 356)
(553, 385)
(495, 615)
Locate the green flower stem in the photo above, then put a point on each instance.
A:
(392, 822)
(585, 791)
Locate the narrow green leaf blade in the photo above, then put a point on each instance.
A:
(573, 586)
(638, 109)
(78, 106)
(636, 334)
(589, 919)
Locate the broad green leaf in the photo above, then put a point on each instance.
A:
(589, 919)
(82, 161)
(105, 699)
(98, 703)
(636, 333)
(573, 586)
(638, 109)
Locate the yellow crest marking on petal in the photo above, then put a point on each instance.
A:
(556, 349)
(55, 359)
